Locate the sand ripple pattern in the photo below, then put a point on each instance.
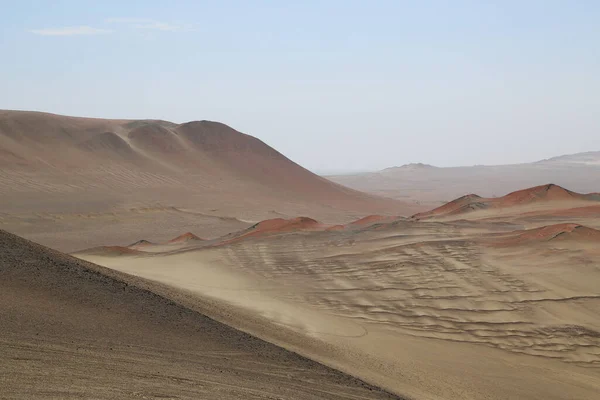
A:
(450, 290)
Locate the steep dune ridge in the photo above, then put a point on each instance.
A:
(549, 193)
(74, 329)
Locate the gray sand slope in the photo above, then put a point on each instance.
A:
(70, 329)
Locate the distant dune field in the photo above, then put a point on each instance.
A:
(499, 301)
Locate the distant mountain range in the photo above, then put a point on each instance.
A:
(587, 158)
(428, 184)
(411, 166)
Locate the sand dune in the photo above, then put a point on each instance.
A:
(548, 192)
(71, 329)
(185, 237)
(200, 146)
(108, 143)
(68, 166)
(371, 219)
(461, 205)
(499, 307)
(271, 227)
(278, 225)
(559, 232)
(531, 196)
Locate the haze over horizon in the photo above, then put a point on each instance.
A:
(345, 86)
(337, 200)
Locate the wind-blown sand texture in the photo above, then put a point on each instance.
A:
(499, 306)
(74, 330)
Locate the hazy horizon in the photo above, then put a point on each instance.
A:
(341, 87)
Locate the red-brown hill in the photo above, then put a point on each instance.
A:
(549, 192)
(186, 237)
(371, 219)
(562, 232)
(537, 194)
(275, 226)
(202, 163)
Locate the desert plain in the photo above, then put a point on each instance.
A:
(187, 261)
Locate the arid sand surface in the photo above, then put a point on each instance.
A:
(72, 330)
(481, 306)
(211, 266)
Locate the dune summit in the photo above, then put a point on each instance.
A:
(549, 192)
(558, 232)
(531, 196)
(185, 237)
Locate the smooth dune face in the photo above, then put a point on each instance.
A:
(72, 174)
(74, 330)
(499, 307)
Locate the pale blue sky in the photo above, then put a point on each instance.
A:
(334, 85)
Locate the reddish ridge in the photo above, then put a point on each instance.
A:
(567, 231)
(186, 237)
(370, 219)
(537, 194)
